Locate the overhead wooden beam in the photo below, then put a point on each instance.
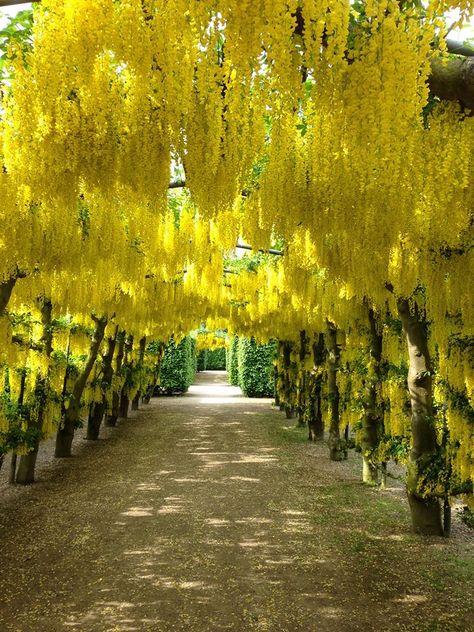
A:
(452, 79)
(270, 251)
(178, 184)
(459, 48)
(12, 3)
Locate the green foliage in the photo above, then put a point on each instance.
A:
(232, 361)
(202, 360)
(17, 438)
(216, 360)
(178, 367)
(467, 516)
(15, 39)
(255, 363)
(211, 359)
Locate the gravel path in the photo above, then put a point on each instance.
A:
(207, 513)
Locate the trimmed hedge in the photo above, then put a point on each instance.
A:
(178, 367)
(215, 360)
(255, 366)
(211, 359)
(232, 361)
(202, 360)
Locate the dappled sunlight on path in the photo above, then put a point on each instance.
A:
(200, 514)
(211, 387)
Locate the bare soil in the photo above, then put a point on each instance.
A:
(210, 512)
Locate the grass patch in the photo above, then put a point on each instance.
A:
(284, 431)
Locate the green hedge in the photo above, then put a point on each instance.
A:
(211, 360)
(178, 367)
(232, 361)
(255, 366)
(202, 360)
(215, 360)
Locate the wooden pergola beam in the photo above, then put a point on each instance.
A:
(12, 3)
(452, 79)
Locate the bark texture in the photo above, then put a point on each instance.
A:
(452, 79)
(139, 367)
(111, 419)
(372, 422)
(303, 379)
(97, 411)
(71, 416)
(127, 367)
(337, 451)
(315, 415)
(425, 510)
(287, 383)
(27, 465)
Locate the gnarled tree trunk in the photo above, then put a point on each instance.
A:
(141, 358)
(71, 415)
(337, 451)
(111, 419)
(287, 385)
(128, 366)
(6, 289)
(98, 409)
(303, 379)
(14, 459)
(425, 510)
(27, 465)
(315, 415)
(372, 421)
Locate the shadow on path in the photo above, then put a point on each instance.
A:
(206, 513)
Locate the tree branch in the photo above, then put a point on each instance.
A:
(452, 79)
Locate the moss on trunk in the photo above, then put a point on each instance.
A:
(425, 510)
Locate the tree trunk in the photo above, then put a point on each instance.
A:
(14, 459)
(97, 411)
(302, 400)
(287, 385)
(276, 386)
(155, 373)
(94, 421)
(139, 369)
(452, 78)
(315, 416)
(26, 468)
(124, 404)
(111, 419)
(303, 381)
(6, 289)
(425, 510)
(336, 444)
(136, 402)
(150, 390)
(71, 416)
(13, 463)
(128, 366)
(372, 421)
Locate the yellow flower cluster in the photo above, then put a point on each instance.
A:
(295, 120)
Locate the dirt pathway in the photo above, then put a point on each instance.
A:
(207, 513)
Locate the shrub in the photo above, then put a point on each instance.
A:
(215, 359)
(178, 368)
(232, 361)
(202, 360)
(256, 368)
